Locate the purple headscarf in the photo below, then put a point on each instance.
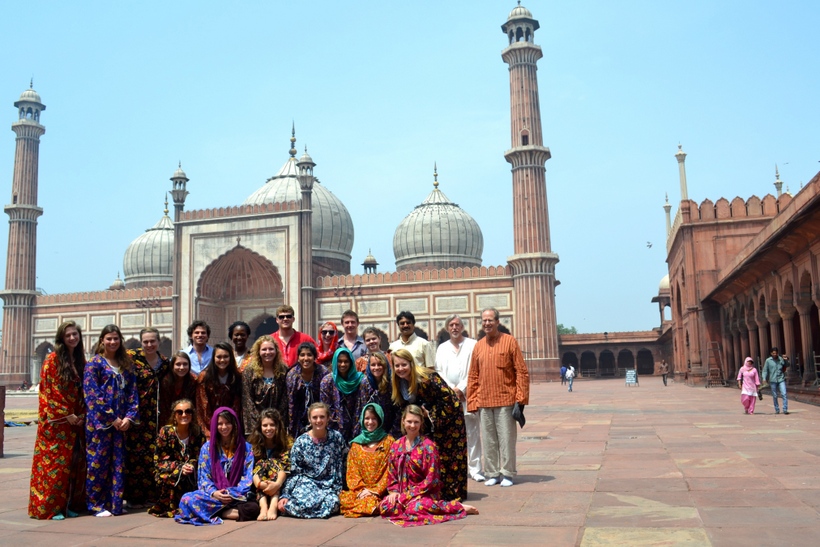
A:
(238, 461)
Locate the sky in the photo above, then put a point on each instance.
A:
(380, 91)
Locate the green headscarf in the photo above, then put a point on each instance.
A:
(367, 437)
(350, 383)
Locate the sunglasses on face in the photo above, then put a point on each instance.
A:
(186, 412)
(288, 316)
(328, 332)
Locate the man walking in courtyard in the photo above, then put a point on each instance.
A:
(774, 372)
(497, 381)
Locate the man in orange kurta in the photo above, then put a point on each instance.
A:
(498, 379)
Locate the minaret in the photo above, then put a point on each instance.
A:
(778, 184)
(680, 155)
(306, 179)
(21, 266)
(667, 208)
(179, 191)
(533, 263)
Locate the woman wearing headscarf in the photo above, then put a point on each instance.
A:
(367, 466)
(225, 476)
(340, 391)
(376, 388)
(58, 468)
(748, 380)
(328, 343)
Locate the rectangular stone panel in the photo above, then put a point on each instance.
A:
(132, 320)
(161, 318)
(415, 305)
(79, 320)
(49, 324)
(376, 307)
(450, 304)
(332, 311)
(99, 321)
(499, 301)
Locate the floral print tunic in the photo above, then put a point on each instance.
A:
(315, 480)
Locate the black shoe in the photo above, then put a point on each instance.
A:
(785, 412)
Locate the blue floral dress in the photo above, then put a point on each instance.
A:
(200, 507)
(316, 476)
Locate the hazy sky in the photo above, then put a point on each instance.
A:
(379, 91)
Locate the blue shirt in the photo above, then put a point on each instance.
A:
(196, 364)
(358, 349)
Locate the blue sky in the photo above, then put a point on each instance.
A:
(379, 91)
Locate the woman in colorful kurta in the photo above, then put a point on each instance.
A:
(178, 383)
(271, 453)
(376, 388)
(219, 384)
(263, 383)
(367, 466)
(141, 438)
(340, 391)
(748, 380)
(312, 489)
(225, 476)
(303, 383)
(58, 468)
(414, 487)
(110, 390)
(175, 460)
(424, 387)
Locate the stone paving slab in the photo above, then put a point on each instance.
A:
(604, 465)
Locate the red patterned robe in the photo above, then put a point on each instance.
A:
(58, 468)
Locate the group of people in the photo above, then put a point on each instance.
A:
(289, 426)
(751, 382)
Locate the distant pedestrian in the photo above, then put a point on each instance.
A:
(664, 370)
(563, 374)
(774, 372)
(748, 381)
(570, 377)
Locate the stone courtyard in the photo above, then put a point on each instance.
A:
(604, 465)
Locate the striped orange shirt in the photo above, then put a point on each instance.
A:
(498, 374)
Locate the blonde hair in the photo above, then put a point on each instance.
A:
(417, 375)
(415, 410)
(279, 368)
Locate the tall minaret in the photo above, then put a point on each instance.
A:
(533, 263)
(21, 277)
(179, 192)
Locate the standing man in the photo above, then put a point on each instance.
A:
(423, 352)
(664, 370)
(774, 371)
(453, 365)
(498, 379)
(351, 338)
(287, 337)
(199, 351)
(563, 374)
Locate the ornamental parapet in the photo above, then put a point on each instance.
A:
(531, 155)
(533, 264)
(240, 210)
(413, 276)
(137, 293)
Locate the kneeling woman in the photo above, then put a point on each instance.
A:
(225, 476)
(414, 487)
(367, 466)
(175, 459)
(316, 460)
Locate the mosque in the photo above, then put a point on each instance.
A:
(290, 242)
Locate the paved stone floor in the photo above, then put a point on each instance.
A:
(604, 465)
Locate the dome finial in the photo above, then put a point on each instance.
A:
(435, 175)
(31, 86)
(166, 204)
(292, 150)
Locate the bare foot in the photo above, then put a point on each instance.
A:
(273, 514)
(262, 516)
(470, 509)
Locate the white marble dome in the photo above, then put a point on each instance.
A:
(519, 11)
(437, 233)
(332, 225)
(664, 284)
(149, 258)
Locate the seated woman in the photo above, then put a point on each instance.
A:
(312, 489)
(377, 388)
(414, 487)
(367, 466)
(225, 476)
(271, 453)
(175, 459)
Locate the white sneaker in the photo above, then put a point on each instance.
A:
(104, 513)
(478, 477)
(506, 482)
(491, 482)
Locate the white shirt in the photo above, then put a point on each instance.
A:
(423, 352)
(453, 362)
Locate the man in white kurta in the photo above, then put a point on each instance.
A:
(453, 365)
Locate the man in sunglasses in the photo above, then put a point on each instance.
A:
(287, 337)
